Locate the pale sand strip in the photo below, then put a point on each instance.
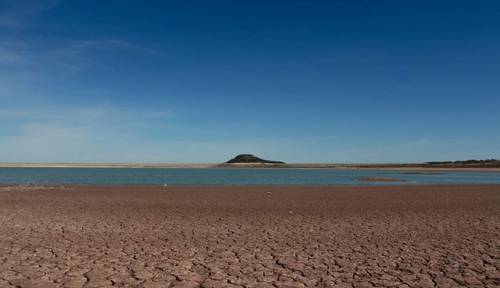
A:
(394, 167)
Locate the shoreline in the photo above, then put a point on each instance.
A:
(161, 187)
(386, 167)
(105, 165)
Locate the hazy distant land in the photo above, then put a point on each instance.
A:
(105, 165)
(251, 161)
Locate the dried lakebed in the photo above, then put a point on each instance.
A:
(240, 236)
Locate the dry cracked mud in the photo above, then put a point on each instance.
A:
(185, 236)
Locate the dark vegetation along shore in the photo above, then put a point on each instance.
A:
(493, 163)
(253, 236)
(488, 163)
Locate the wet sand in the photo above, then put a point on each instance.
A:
(184, 236)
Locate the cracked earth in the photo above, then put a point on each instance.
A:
(184, 236)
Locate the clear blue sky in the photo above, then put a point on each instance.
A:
(200, 81)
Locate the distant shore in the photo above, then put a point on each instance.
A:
(357, 166)
(106, 165)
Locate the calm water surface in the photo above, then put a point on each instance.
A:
(108, 176)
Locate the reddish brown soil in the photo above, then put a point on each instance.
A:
(425, 236)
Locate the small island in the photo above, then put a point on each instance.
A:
(250, 160)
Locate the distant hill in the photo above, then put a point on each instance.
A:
(251, 159)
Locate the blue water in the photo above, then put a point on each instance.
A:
(105, 176)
